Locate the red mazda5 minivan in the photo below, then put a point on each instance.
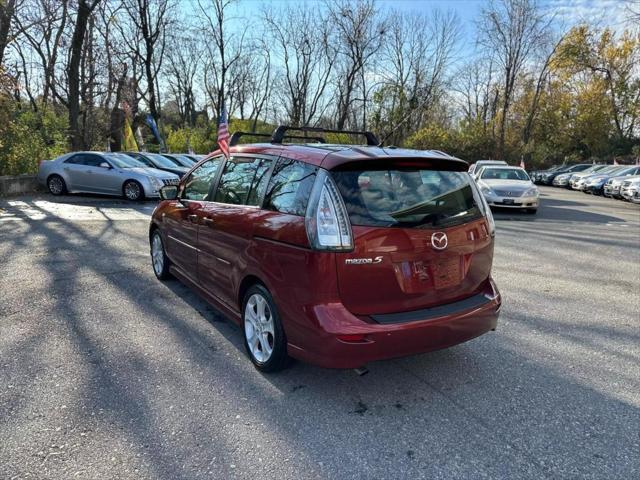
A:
(336, 255)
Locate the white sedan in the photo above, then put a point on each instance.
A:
(510, 187)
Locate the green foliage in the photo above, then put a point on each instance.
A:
(26, 137)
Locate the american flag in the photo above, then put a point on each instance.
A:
(223, 133)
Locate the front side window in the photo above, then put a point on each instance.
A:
(198, 185)
(290, 187)
(407, 197)
(243, 181)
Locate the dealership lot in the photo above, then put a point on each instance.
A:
(107, 373)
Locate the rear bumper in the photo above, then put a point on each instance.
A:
(384, 341)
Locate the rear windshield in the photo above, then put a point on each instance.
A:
(407, 197)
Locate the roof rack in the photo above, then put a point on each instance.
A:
(235, 137)
(280, 133)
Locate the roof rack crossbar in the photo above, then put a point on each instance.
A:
(280, 133)
(235, 137)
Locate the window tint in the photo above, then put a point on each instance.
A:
(243, 181)
(78, 159)
(407, 197)
(198, 184)
(290, 187)
(93, 160)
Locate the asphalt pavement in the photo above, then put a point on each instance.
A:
(107, 373)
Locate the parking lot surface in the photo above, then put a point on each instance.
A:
(106, 372)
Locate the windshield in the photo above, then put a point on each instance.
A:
(504, 174)
(121, 160)
(181, 162)
(161, 161)
(407, 197)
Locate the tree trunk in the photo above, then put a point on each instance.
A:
(73, 72)
(7, 10)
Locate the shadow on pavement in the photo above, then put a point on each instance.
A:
(505, 412)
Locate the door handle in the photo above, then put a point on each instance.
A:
(193, 218)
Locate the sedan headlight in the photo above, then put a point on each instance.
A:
(156, 182)
(486, 190)
(533, 191)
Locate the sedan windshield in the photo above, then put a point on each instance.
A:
(504, 174)
(120, 160)
(161, 161)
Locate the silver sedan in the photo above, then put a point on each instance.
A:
(508, 187)
(103, 173)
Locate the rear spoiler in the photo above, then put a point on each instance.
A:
(447, 164)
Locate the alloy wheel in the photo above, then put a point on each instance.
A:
(56, 186)
(157, 254)
(132, 191)
(259, 328)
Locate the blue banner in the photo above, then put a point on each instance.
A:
(154, 129)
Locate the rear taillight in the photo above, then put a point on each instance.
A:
(484, 207)
(327, 221)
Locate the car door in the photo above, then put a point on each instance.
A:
(73, 168)
(226, 229)
(183, 217)
(99, 178)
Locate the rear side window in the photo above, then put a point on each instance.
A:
(290, 186)
(407, 197)
(198, 184)
(243, 181)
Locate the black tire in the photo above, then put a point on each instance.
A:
(162, 263)
(278, 359)
(132, 190)
(56, 185)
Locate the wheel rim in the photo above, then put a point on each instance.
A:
(132, 191)
(259, 328)
(157, 254)
(55, 185)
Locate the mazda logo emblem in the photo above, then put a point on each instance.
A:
(439, 240)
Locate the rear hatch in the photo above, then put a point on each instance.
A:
(420, 237)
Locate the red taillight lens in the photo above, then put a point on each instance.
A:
(352, 337)
(327, 221)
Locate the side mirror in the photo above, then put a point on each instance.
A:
(169, 192)
(104, 165)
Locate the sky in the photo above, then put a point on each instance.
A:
(612, 13)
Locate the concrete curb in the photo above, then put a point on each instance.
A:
(18, 184)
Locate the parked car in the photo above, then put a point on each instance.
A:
(481, 163)
(337, 255)
(630, 188)
(597, 182)
(581, 183)
(508, 187)
(575, 176)
(104, 173)
(536, 175)
(548, 177)
(613, 183)
(160, 162)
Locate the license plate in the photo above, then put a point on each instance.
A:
(508, 201)
(446, 273)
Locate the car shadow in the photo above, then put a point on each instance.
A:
(506, 409)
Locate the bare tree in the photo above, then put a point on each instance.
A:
(150, 19)
(359, 33)
(302, 40)
(183, 60)
(512, 30)
(224, 50)
(417, 55)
